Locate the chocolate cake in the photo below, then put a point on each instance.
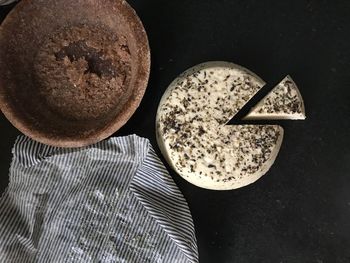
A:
(80, 67)
(72, 72)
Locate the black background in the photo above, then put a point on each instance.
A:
(299, 211)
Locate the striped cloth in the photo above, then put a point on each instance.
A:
(110, 202)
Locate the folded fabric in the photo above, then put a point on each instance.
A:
(6, 2)
(110, 202)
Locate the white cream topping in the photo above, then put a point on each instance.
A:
(193, 135)
(283, 102)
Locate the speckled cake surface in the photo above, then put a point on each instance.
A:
(193, 135)
(283, 102)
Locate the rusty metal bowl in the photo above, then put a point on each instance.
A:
(72, 72)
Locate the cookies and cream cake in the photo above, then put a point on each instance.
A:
(284, 102)
(193, 135)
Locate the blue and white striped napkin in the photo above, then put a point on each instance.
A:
(110, 202)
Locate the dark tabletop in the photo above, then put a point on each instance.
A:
(300, 211)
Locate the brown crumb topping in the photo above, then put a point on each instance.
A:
(81, 72)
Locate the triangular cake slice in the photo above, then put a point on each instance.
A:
(284, 102)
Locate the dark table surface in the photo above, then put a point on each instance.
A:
(300, 211)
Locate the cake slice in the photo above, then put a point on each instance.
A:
(284, 102)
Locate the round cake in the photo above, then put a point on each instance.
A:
(72, 72)
(193, 134)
